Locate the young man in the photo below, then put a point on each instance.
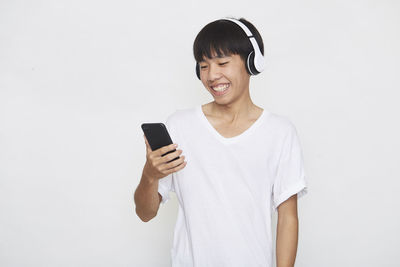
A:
(243, 162)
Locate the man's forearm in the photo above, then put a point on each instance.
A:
(146, 198)
(286, 241)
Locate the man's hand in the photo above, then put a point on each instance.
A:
(156, 166)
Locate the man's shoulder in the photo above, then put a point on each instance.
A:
(178, 121)
(181, 114)
(280, 122)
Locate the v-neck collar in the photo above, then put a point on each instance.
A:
(230, 140)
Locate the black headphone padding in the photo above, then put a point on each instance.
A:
(198, 70)
(250, 64)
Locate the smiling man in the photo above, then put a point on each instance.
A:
(243, 163)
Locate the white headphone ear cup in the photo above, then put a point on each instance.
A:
(259, 62)
(250, 64)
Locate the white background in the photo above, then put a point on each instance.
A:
(77, 79)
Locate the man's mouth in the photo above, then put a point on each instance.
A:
(220, 87)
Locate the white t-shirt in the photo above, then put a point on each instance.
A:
(229, 188)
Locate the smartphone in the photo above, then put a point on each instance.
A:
(157, 135)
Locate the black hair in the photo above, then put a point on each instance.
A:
(225, 38)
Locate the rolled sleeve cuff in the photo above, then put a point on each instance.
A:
(299, 188)
(164, 193)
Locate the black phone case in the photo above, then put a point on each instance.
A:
(157, 135)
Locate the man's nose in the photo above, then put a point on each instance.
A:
(213, 73)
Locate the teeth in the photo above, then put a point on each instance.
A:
(221, 87)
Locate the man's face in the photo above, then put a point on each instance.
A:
(224, 77)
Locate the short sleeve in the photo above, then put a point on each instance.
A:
(165, 184)
(290, 176)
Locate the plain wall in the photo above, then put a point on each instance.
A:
(77, 79)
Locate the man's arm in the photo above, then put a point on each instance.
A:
(287, 233)
(147, 198)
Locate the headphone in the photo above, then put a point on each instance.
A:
(255, 59)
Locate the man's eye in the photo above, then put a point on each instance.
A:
(203, 67)
(223, 63)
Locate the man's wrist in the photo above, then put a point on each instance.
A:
(148, 179)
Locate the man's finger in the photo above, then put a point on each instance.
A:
(166, 149)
